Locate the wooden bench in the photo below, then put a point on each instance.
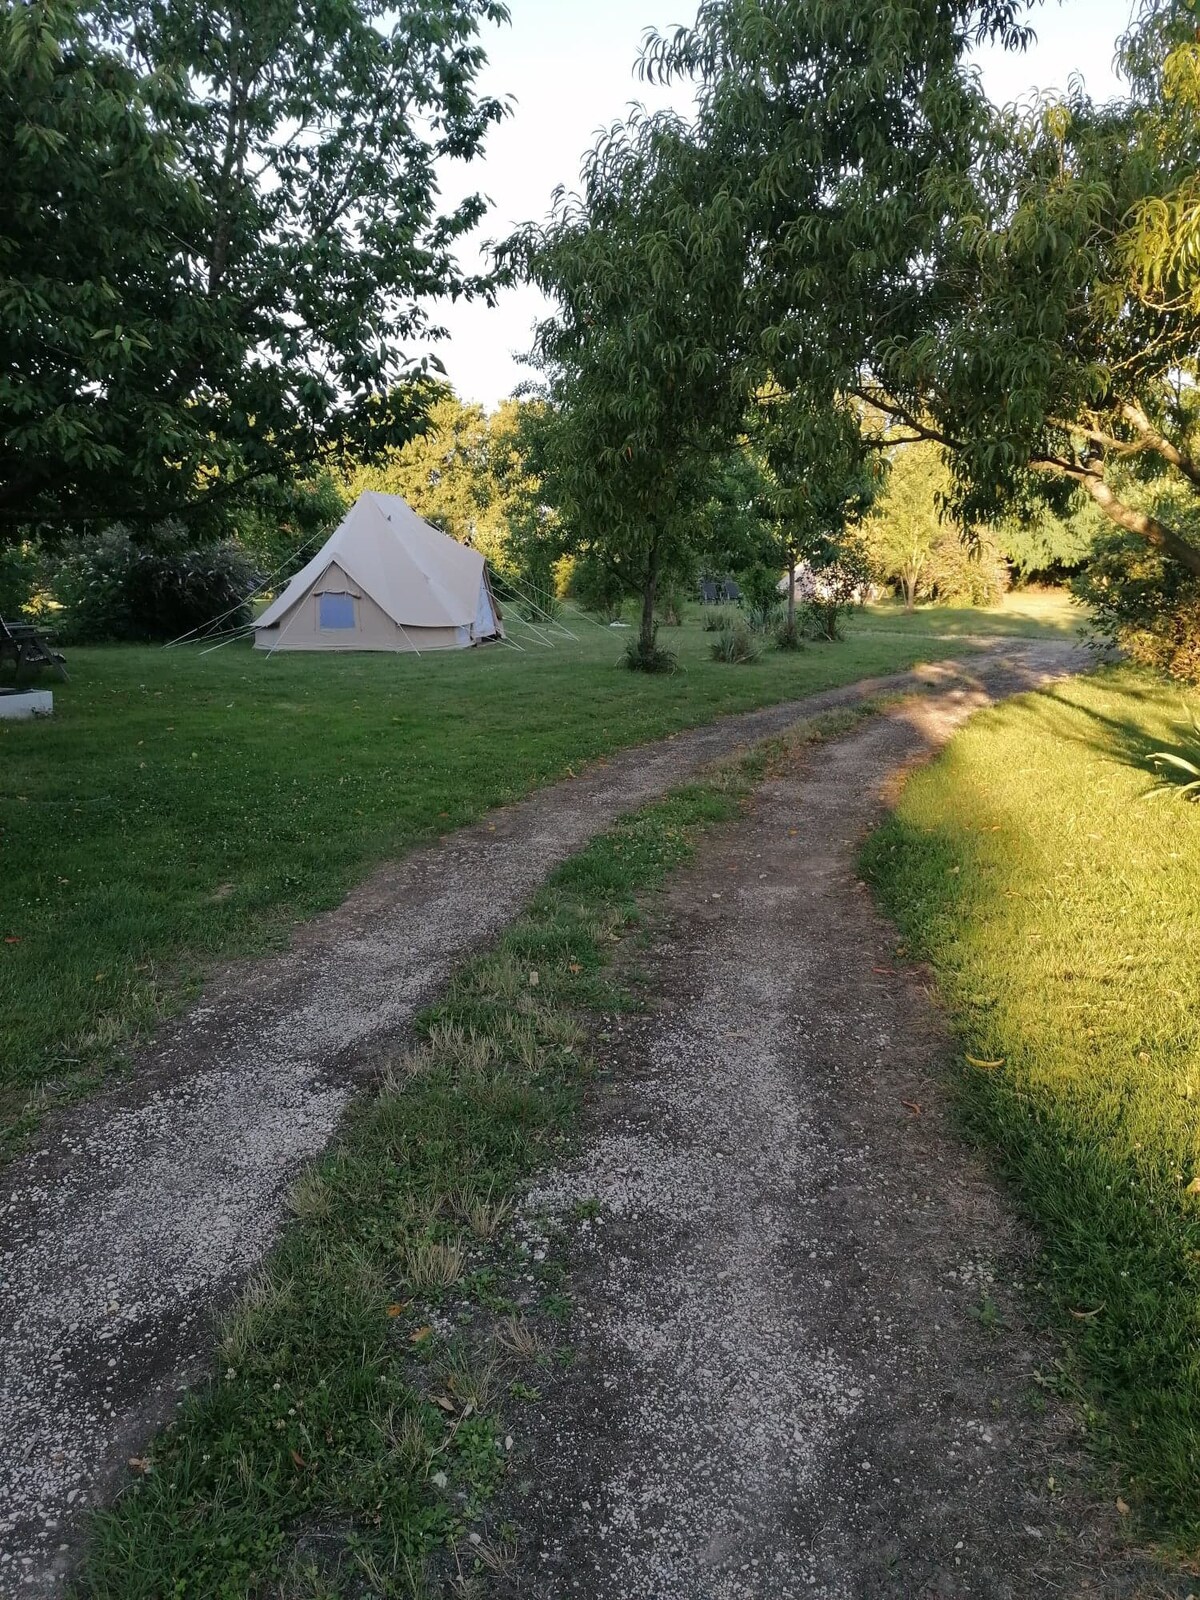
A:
(27, 648)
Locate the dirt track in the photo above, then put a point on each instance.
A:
(139, 1213)
(802, 1366)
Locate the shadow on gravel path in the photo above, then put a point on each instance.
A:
(139, 1214)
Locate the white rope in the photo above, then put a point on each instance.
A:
(295, 613)
(554, 622)
(411, 645)
(242, 633)
(223, 633)
(568, 605)
(520, 622)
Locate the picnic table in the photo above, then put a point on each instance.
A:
(27, 647)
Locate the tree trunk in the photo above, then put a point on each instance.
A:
(909, 586)
(649, 600)
(791, 609)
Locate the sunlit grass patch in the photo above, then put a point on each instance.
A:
(1061, 911)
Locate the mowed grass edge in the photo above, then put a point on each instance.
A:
(1060, 911)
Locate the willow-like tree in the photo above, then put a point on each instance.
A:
(841, 134)
(221, 238)
(639, 358)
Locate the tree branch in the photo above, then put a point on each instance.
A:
(1153, 440)
(895, 410)
(1142, 523)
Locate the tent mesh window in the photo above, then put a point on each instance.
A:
(335, 610)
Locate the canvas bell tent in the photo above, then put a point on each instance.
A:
(384, 580)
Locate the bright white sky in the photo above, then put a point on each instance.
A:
(568, 64)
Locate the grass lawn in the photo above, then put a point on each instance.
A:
(183, 806)
(1060, 910)
(1025, 613)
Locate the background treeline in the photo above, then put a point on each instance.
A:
(846, 290)
(487, 479)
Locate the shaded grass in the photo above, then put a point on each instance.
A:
(181, 807)
(1061, 913)
(1023, 613)
(357, 1420)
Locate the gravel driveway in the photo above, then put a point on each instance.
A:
(802, 1364)
(138, 1214)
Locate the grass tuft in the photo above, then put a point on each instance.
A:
(737, 645)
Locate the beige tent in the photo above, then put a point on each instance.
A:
(384, 580)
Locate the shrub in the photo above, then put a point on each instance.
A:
(113, 586)
(828, 592)
(655, 659)
(760, 590)
(1144, 603)
(764, 615)
(670, 606)
(18, 578)
(962, 574)
(598, 589)
(713, 619)
(1179, 770)
(736, 644)
(788, 636)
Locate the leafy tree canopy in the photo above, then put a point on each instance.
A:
(222, 237)
(1063, 347)
(1019, 286)
(638, 359)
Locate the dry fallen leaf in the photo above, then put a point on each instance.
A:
(986, 1066)
(139, 1464)
(12, 938)
(913, 1106)
(1194, 1186)
(445, 1402)
(419, 1334)
(534, 980)
(1122, 1507)
(396, 1308)
(1086, 1316)
(574, 967)
(298, 1460)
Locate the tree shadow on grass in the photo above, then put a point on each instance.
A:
(1130, 739)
